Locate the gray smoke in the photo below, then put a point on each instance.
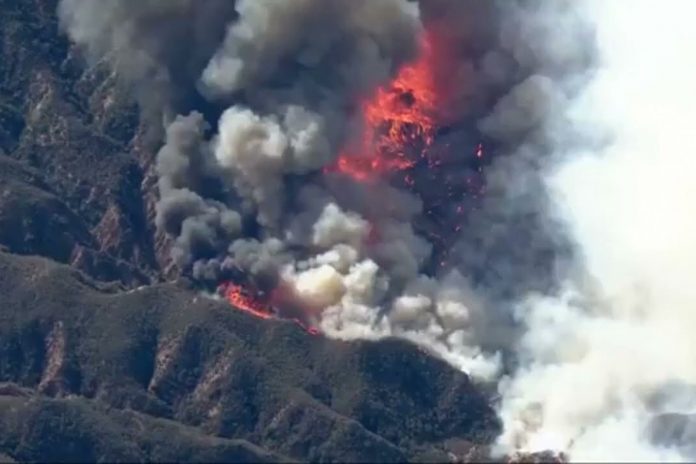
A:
(303, 64)
(607, 363)
(346, 47)
(203, 226)
(256, 152)
(246, 192)
(143, 42)
(547, 53)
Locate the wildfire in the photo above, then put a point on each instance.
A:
(244, 300)
(400, 118)
(238, 297)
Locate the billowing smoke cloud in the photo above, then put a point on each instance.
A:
(143, 42)
(607, 369)
(543, 54)
(257, 152)
(203, 226)
(246, 191)
(565, 271)
(346, 46)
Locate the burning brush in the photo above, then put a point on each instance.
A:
(404, 122)
(252, 301)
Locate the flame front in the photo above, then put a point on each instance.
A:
(238, 297)
(400, 119)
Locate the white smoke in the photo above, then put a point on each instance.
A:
(593, 359)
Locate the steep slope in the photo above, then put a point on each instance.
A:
(70, 141)
(76, 429)
(168, 352)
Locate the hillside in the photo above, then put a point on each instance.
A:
(74, 353)
(106, 355)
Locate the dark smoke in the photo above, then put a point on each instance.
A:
(203, 226)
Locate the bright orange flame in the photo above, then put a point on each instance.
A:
(240, 298)
(479, 150)
(400, 118)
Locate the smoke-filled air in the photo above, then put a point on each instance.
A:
(508, 184)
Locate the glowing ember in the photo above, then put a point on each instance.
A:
(308, 328)
(405, 141)
(400, 122)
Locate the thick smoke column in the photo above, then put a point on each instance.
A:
(571, 255)
(202, 226)
(607, 370)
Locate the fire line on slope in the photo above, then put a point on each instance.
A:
(244, 300)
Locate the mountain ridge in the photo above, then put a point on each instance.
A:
(99, 335)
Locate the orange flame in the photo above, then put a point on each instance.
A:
(241, 299)
(401, 121)
(400, 118)
(238, 297)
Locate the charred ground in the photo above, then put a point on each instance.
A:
(94, 368)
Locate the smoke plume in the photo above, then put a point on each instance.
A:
(607, 367)
(506, 184)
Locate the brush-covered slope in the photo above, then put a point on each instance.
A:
(164, 355)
